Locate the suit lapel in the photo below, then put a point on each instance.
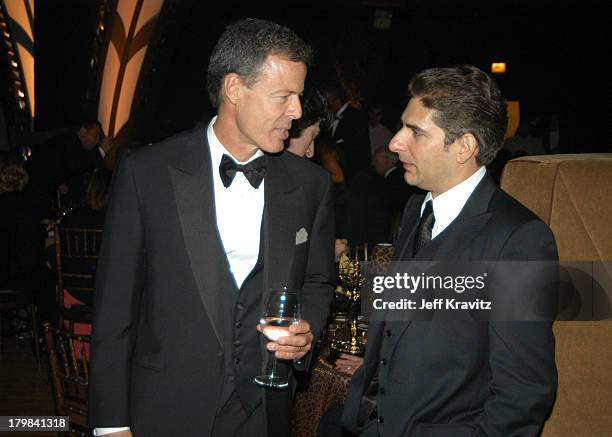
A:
(194, 193)
(284, 203)
(458, 236)
(410, 222)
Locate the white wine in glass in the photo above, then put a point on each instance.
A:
(278, 315)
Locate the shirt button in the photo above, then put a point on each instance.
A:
(383, 361)
(381, 419)
(237, 343)
(388, 332)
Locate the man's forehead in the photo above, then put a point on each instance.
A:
(416, 112)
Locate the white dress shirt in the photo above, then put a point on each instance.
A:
(239, 211)
(449, 204)
(337, 118)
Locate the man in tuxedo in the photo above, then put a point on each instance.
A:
(457, 378)
(66, 159)
(349, 131)
(397, 190)
(198, 228)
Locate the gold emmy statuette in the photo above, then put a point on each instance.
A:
(351, 278)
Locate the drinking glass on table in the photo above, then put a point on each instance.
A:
(280, 312)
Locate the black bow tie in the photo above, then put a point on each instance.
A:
(254, 171)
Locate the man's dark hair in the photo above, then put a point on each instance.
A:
(243, 48)
(464, 100)
(334, 91)
(88, 124)
(314, 110)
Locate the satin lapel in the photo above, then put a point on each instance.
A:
(284, 204)
(194, 193)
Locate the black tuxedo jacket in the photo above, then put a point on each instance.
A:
(463, 378)
(352, 138)
(158, 336)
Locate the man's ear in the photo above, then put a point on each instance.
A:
(232, 87)
(468, 148)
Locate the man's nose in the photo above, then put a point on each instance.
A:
(294, 110)
(396, 143)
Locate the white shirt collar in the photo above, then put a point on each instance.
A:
(391, 170)
(341, 110)
(217, 149)
(449, 204)
(239, 211)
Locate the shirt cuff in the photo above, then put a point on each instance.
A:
(104, 431)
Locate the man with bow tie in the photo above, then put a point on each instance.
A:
(198, 228)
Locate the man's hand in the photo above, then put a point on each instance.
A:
(348, 363)
(292, 347)
(107, 144)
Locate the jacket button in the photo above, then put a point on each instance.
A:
(380, 419)
(383, 361)
(388, 332)
(237, 343)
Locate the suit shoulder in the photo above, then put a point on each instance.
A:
(513, 216)
(168, 150)
(304, 168)
(507, 205)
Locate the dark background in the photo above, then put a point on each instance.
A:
(556, 53)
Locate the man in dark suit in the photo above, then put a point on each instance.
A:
(458, 378)
(194, 238)
(66, 159)
(349, 131)
(397, 191)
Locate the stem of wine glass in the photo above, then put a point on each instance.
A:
(272, 373)
(298, 317)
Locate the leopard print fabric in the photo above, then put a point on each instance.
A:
(327, 387)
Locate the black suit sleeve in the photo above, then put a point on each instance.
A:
(119, 285)
(319, 279)
(81, 160)
(522, 354)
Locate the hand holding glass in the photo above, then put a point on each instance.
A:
(279, 314)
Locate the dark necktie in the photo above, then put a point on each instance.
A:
(254, 171)
(423, 233)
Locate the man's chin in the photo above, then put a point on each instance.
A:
(273, 147)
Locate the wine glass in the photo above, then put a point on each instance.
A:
(280, 312)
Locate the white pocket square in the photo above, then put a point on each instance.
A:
(301, 236)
